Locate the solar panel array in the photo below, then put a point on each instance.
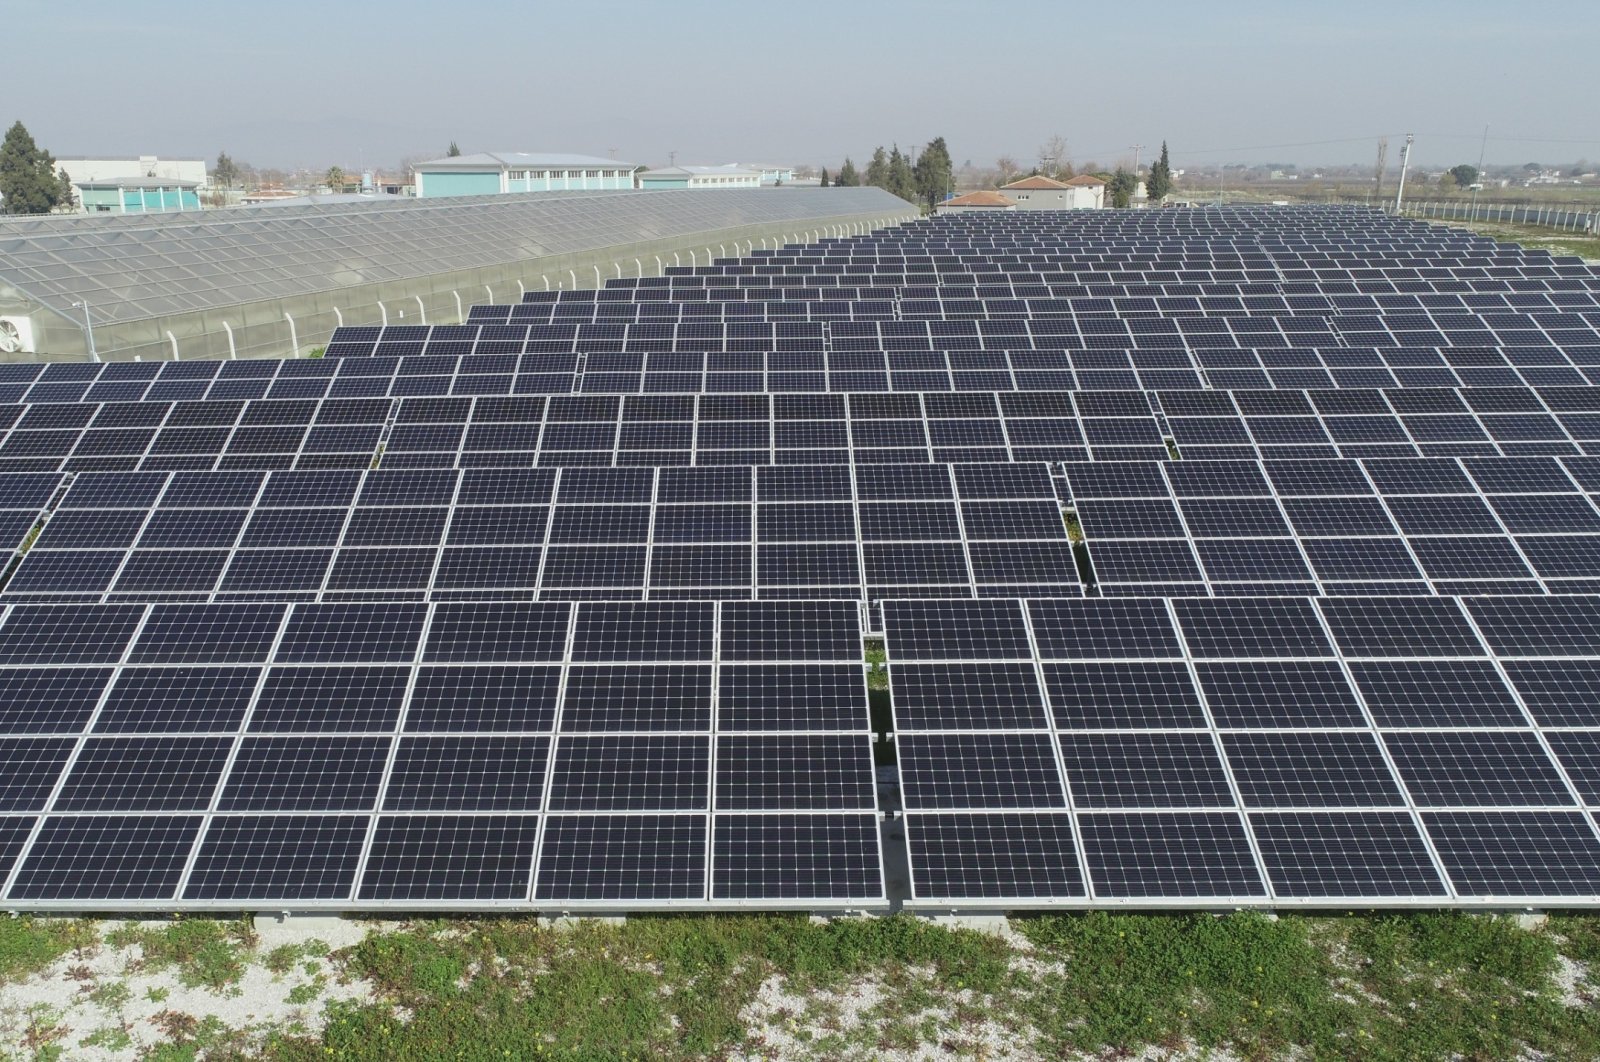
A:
(1248, 749)
(1222, 556)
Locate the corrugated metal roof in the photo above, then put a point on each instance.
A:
(518, 160)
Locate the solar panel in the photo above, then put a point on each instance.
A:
(564, 606)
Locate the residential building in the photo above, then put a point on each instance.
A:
(1045, 193)
(984, 200)
(729, 176)
(496, 173)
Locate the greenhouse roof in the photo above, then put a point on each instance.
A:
(135, 267)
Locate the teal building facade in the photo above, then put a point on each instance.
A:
(496, 173)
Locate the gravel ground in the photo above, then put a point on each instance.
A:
(98, 1005)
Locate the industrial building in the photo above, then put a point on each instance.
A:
(499, 173)
(272, 283)
(141, 184)
(720, 177)
(136, 195)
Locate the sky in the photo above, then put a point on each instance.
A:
(303, 84)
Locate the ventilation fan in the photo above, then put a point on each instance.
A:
(16, 335)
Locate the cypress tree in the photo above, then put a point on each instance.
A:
(901, 180)
(824, 178)
(1159, 182)
(934, 173)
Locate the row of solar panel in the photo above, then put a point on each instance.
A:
(344, 861)
(933, 371)
(643, 797)
(1011, 715)
(1352, 322)
(759, 429)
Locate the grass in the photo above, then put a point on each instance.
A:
(1552, 240)
(28, 945)
(205, 952)
(1412, 986)
(1096, 985)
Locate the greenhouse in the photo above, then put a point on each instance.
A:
(243, 283)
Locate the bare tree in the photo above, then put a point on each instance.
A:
(1007, 169)
(1053, 156)
(408, 165)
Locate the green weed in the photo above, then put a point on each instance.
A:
(28, 945)
(1381, 987)
(111, 995)
(206, 952)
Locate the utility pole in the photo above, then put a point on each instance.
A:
(1478, 182)
(672, 158)
(1380, 168)
(1136, 148)
(88, 329)
(1405, 160)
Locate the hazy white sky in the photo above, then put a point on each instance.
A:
(296, 83)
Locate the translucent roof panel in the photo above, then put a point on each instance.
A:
(132, 268)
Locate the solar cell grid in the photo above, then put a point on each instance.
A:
(975, 297)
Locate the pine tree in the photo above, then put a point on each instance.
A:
(934, 173)
(1159, 183)
(29, 180)
(848, 177)
(901, 180)
(878, 169)
(824, 178)
(454, 151)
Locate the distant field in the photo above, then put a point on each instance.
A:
(1091, 986)
(1584, 195)
(1533, 236)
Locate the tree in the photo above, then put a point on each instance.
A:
(1159, 183)
(1007, 169)
(1447, 182)
(224, 173)
(934, 173)
(69, 194)
(454, 151)
(848, 177)
(1121, 187)
(1464, 174)
(902, 182)
(878, 169)
(1053, 156)
(335, 179)
(824, 177)
(29, 179)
